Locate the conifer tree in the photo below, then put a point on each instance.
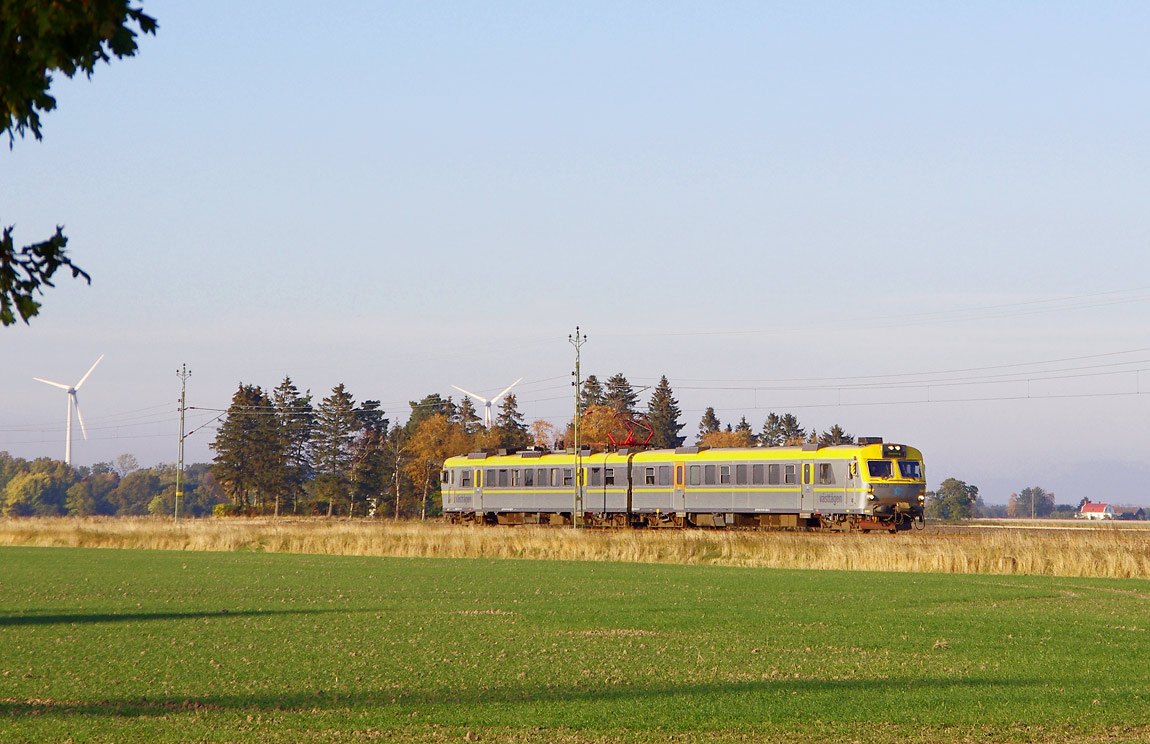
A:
(663, 415)
(294, 416)
(332, 440)
(835, 435)
(591, 394)
(745, 432)
(249, 449)
(779, 431)
(509, 424)
(620, 395)
(709, 424)
(467, 417)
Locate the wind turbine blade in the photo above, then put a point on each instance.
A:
(507, 389)
(484, 401)
(81, 382)
(54, 384)
(79, 415)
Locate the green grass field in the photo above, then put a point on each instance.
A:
(126, 646)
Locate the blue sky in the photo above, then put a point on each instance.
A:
(749, 198)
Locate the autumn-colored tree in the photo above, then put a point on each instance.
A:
(596, 423)
(727, 438)
(543, 433)
(434, 440)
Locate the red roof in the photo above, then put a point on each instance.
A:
(1091, 508)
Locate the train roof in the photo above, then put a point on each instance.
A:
(870, 450)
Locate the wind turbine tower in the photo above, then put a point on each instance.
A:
(487, 403)
(73, 402)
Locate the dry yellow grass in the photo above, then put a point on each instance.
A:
(1100, 552)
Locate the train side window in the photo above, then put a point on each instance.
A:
(596, 476)
(725, 475)
(679, 475)
(792, 475)
(757, 475)
(709, 475)
(529, 477)
(568, 476)
(696, 475)
(445, 478)
(648, 476)
(555, 477)
(490, 478)
(502, 477)
(807, 473)
(542, 478)
(465, 479)
(740, 475)
(664, 475)
(516, 475)
(774, 474)
(609, 476)
(826, 474)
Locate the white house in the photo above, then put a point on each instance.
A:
(1096, 511)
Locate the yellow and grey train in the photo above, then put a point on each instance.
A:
(870, 485)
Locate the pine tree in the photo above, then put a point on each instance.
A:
(781, 430)
(249, 449)
(663, 415)
(332, 440)
(294, 416)
(512, 431)
(745, 432)
(792, 432)
(431, 405)
(709, 424)
(620, 395)
(467, 417)
(591, 393)
(836, 435)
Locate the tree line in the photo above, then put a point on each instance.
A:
(284, 452)
(48, 488)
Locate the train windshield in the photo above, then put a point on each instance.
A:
(879, 468)
(910, 469)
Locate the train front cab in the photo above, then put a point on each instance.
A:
(895, 486)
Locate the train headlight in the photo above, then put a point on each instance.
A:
(921, 498)
(870, 495)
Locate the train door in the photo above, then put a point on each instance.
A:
(678, 492)
(807, 489)
(477, 501)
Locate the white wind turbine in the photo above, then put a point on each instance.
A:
(487, 403)
(73, 402)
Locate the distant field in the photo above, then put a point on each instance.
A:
(1114, 550)
(165, 646)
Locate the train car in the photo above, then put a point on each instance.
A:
(871, 485)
